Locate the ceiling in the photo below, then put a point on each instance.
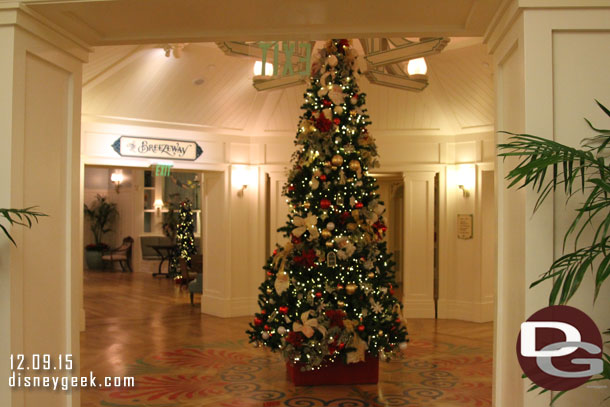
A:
(107, 22)
(137, 82)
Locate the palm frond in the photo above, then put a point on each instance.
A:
(23, 217)
(568, 271)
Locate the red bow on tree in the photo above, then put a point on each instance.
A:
(342, 45)
(336, 317)
(323, 124)
(307, 258)
(294, 338)
(380, 229)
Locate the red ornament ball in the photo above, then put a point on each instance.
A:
(361, 328)
(267, 327)
(337, 121)
(324, 203)
(341, 346)
(326, 102)
(359, 205)
(291, 188)
(258, 321)
(339, 287)
(263, 312)
(318, 295)
(269, 273)
(322, 177)
(283, 309)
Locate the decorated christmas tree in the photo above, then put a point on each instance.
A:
(185, 237)
(328, 293)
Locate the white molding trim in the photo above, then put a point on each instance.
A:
(228, 307)
(466, 311)
(418, 308)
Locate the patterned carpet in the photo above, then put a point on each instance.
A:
(233, 374)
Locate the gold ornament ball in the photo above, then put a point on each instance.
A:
(329, 243)
(306, 205)
(269, 291)
(353, 112)
(340, 304)
(327, 163)
(380, 333)
(334, 168)
(371, 275)
(354, 165)
(337, 160)
(351, 226)
(351, 288)
(326, 234)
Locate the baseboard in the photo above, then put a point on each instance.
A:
(418, 308)
(466, 310)
(227, 307)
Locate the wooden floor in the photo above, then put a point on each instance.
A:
(145, 327)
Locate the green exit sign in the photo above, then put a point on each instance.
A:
(163, 170)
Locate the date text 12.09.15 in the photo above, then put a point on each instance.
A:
(41, 361)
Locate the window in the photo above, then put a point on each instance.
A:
(169, 192)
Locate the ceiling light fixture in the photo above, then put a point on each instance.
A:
(386, 51)
(258, 69)
(417, 68)
(173, 49)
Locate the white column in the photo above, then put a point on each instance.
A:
(418, 244)
(550, 64)
(41, 278)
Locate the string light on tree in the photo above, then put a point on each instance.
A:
(335, 271)
(185, 234)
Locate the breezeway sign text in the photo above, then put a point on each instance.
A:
(143, 147)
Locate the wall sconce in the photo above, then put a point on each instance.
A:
(116, 178)
(241, 177)
(158, 204)
(465, 178)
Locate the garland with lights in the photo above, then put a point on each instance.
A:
(328, 293)
(185, 234)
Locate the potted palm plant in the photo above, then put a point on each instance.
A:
(546, 166)
(101, 215)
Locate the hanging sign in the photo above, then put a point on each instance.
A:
(127, 146)
(464, 226)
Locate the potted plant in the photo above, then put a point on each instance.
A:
(546, 166)
(101, 214)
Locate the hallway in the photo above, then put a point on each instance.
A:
(145, 327)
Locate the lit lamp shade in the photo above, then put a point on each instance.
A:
(258, 69)
(116, 177)
(417, 68)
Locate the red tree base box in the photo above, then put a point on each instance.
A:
(336, 373)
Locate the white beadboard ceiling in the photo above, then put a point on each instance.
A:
(139, 82)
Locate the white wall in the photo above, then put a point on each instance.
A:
(40, 279)
(550, 64)
(245, 238)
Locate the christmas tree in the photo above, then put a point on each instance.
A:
(185, 238)
(328, 292)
